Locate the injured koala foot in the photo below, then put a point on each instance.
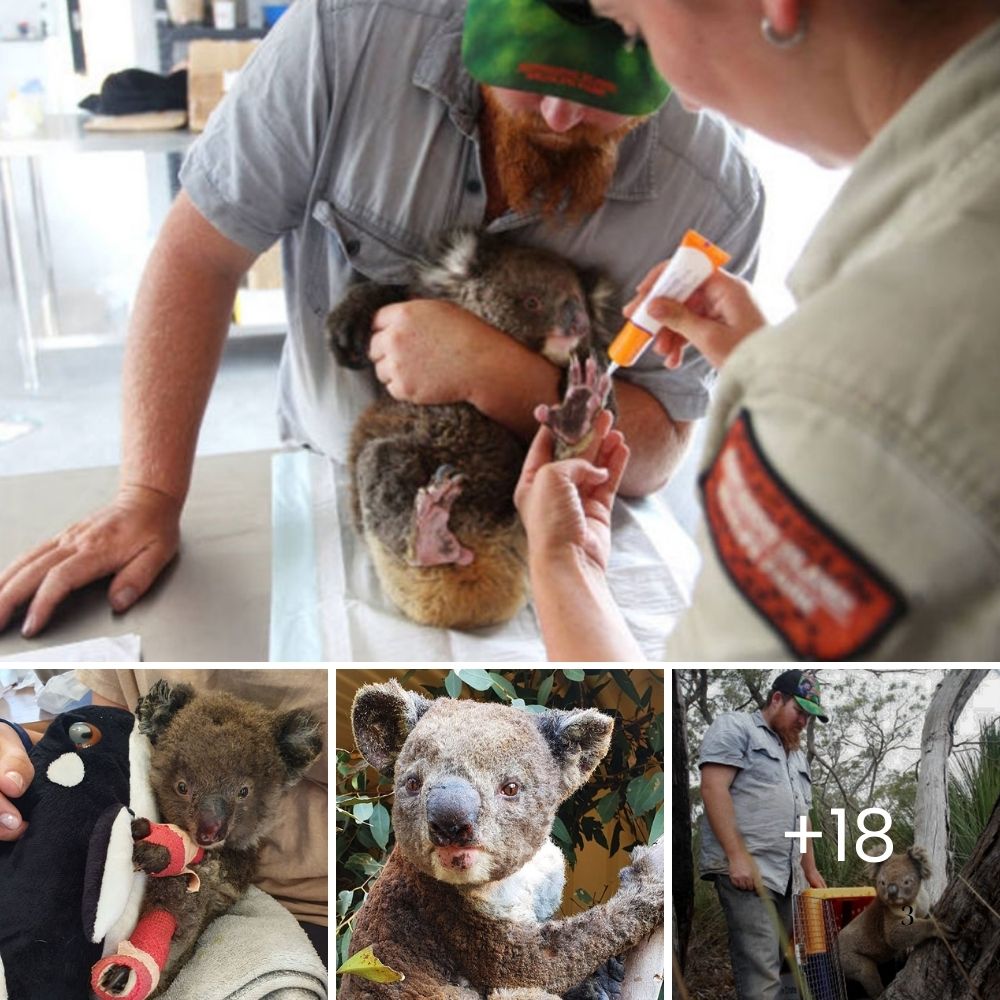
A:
(572, 421)
(433, 542)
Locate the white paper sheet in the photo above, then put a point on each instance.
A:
(327, 604)
(108, 649)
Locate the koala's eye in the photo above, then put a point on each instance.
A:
(182, 788)
(244, 791)
(532, 303)
(510, 788)
(412, 785)
(83, 734)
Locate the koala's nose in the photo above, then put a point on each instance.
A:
(452, 812)
(213, 823)
(892, 890)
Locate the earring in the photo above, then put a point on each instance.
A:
(779, 41)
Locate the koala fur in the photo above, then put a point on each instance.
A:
(433, 485)
(219, 767)
(463, 905)
(884, 930)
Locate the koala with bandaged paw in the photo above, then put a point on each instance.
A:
(463, 907)
(219, 767)
(897, 920)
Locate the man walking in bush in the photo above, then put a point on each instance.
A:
(756, 785)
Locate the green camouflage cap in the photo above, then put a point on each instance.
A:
(557, 47)
(803, 686)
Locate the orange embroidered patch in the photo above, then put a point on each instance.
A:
(822, 597)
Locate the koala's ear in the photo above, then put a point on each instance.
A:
(156, 709)
(382, 716)
(578, 740)
(460, 256)
(602, 305)
(918, 855)
(297, 736)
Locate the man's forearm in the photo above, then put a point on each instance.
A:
(578, 616)
(518, 379)
(179, 325)
(721, 815)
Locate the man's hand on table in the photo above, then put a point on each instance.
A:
(131, 539)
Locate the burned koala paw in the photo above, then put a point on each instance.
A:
(115, 980)
(572, 421)
(349, 323)
(433, 543)
(148, 857)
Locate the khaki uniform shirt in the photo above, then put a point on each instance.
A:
(852, 484)
(293, 859)
(771, 791)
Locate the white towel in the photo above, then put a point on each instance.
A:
(255, 951)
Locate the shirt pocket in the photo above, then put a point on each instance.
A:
(767, 762)
(362, 248)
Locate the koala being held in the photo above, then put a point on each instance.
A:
(462, 906)
(219, 767)
(434, 485)
(895, 921)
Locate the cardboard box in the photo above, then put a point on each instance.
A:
(212, 70)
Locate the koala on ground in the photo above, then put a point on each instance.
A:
(219, 766)
(462, 906)
(434, 485)
(896, 920)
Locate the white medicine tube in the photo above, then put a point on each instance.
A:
(695, 260)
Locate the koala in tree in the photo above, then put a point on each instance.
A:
(434, 485)
(219, 766)
(897, 919)
(463, 905)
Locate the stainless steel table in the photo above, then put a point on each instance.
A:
(212, 603)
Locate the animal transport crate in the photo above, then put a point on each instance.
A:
(817, 917)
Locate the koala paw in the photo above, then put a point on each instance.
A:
(147, 857)
(348, 332)
(114, 982)
(645, 875)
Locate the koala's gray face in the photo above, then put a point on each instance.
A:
(898, 880)
(476, 793)
(528, 293)
(219, 765)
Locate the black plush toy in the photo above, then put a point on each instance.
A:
(67, 884)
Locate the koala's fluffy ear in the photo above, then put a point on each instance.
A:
(578, 740)
(156, 709)
(918, 855)
(382, 716)
(602, 305)
(297, 736)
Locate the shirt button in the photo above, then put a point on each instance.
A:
(473, 186)
(352, 247)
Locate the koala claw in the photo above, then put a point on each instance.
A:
(114, 982)
(572, 421)
(433, 542)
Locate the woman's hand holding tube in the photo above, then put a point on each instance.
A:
(717, 317)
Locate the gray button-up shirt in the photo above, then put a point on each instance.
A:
(352, 136)
(770, 792)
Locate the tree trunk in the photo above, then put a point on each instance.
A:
(644, 969)
(683, 862)
(931, 970)
(930, 828)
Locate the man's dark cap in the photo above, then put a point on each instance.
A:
(804, 688)
(134, 91)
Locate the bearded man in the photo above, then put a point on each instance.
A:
(755, 785)
(359, 132)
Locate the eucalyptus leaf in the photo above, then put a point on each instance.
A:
(453, 684)
(478, 680)
(560, 832)
(573, 674)
(380, 825)
(545, 689)
(645, 792)
(608, 806)
(363, 811)
(344, 900)
(623, 680)
(656, 830)
(503, 685)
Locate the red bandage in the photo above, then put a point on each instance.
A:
(179, 845)
(144, 954)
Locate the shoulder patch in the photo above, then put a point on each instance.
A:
(821, 596)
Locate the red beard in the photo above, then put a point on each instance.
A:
(553, 172)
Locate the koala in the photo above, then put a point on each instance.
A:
(219, 766)
(898, 919)
(464, 903)
(433, 486)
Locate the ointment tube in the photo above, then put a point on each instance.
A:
(696, 258)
